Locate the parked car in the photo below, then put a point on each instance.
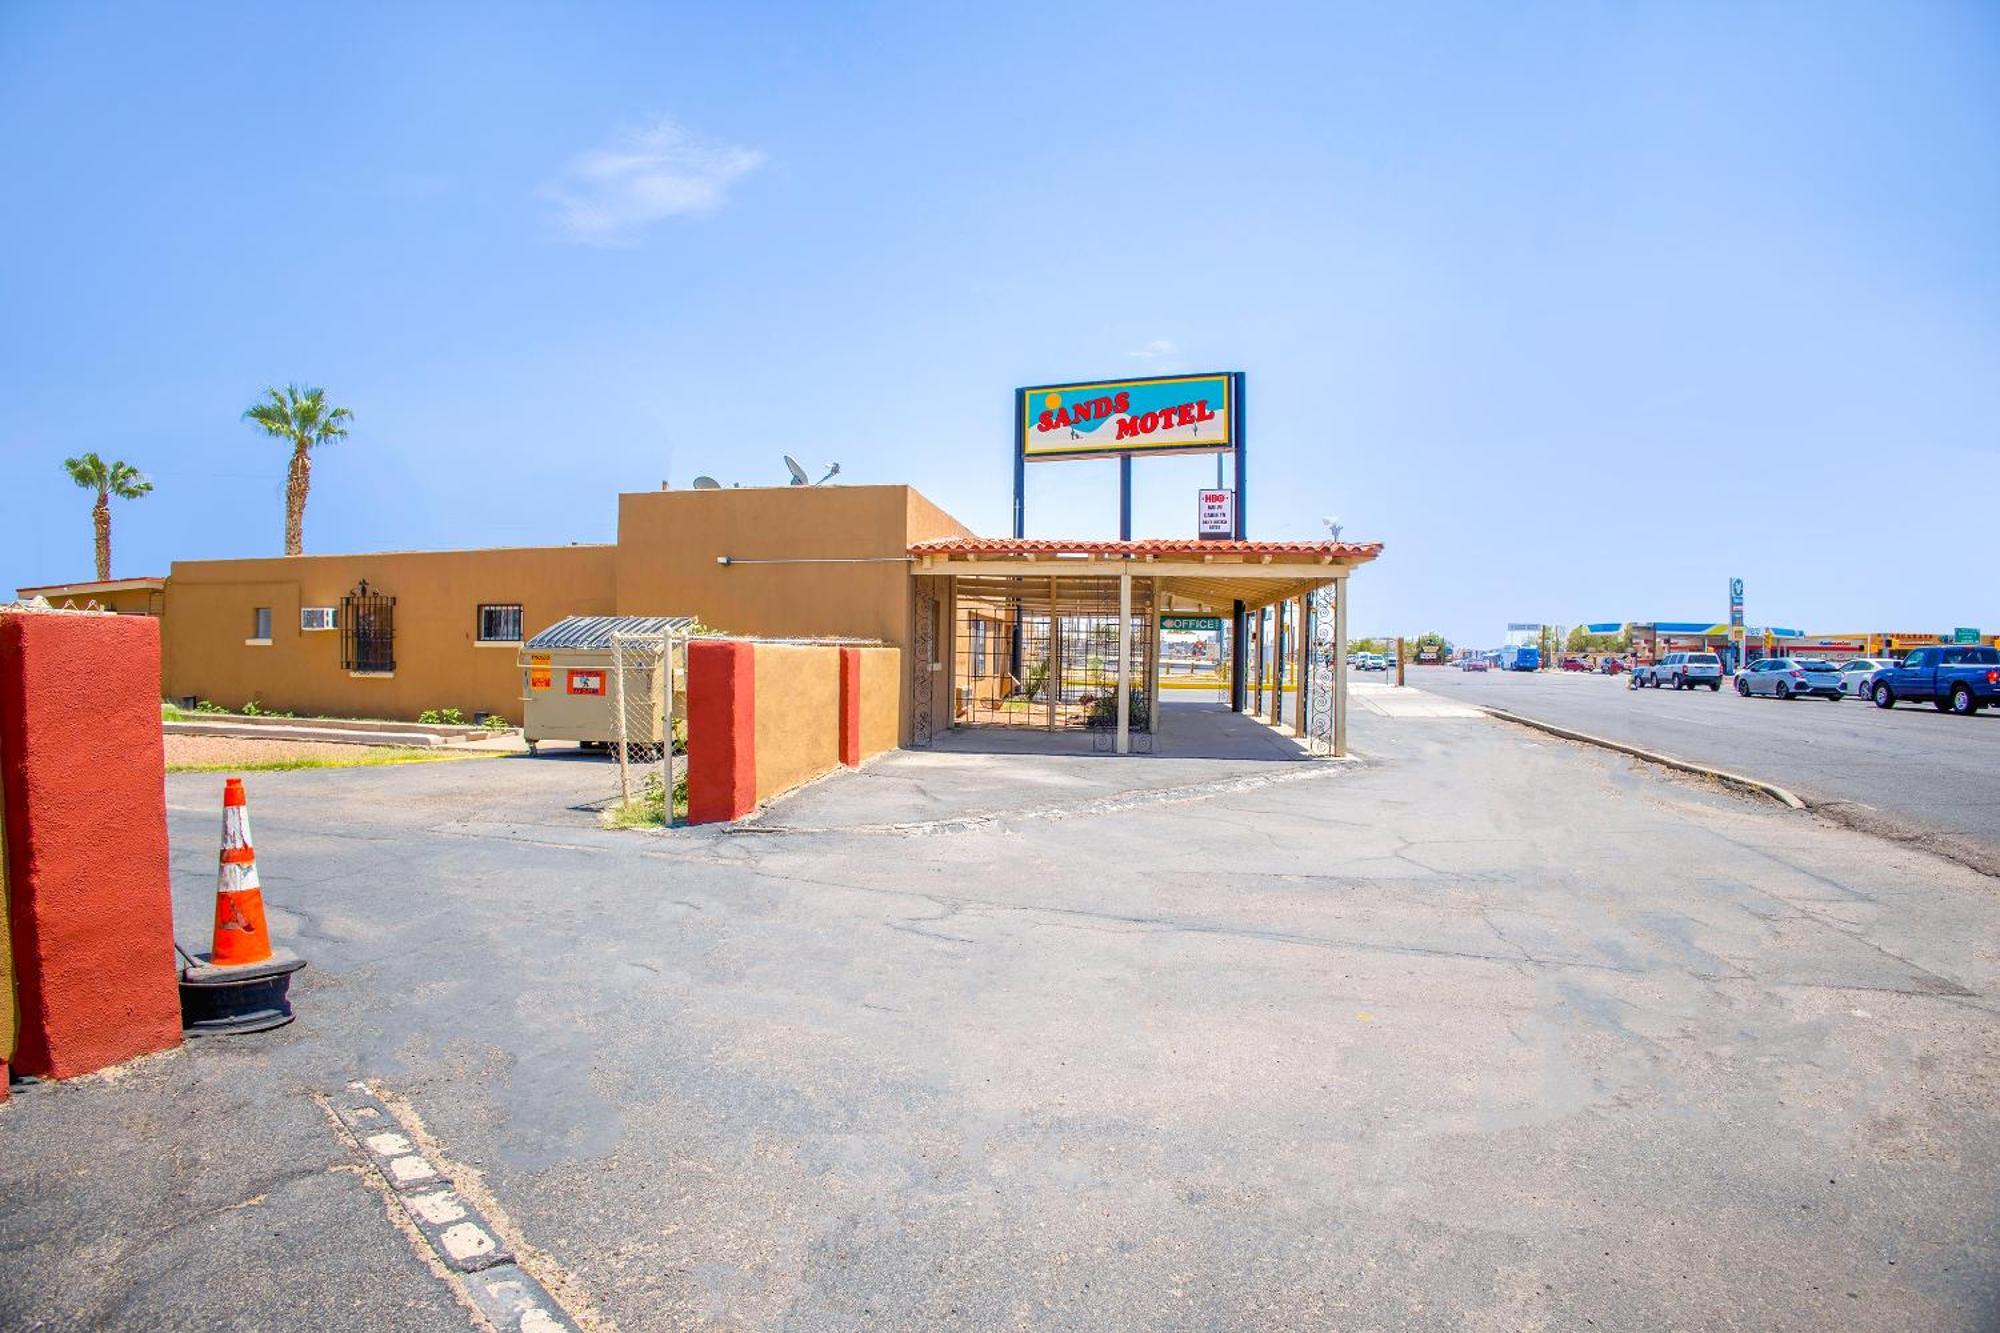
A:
(1790, 678)
(1684, 671)
(1611, 666)
(1857, 675)
(1963, 678)
(1475, 664)
(1575, 664)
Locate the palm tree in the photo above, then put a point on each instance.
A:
(107, 479)
(300, 417)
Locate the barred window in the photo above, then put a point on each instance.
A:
(500, 623)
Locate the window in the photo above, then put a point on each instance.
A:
(500, 623)
(260, 624)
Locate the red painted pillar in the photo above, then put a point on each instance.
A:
(82, 773)
(722, 730)
(850, 707)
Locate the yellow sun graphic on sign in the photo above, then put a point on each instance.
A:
(1052, 402)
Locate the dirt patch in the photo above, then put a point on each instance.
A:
(196, 752)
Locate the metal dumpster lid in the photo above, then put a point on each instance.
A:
(596, 631)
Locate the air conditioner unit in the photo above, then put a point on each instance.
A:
(316, 617)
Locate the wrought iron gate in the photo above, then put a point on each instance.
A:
(367, 630)
(923, 654)
(1317, 693)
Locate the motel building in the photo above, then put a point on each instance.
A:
(1014, 635)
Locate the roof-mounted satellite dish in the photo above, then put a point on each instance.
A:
(707, 483)
(831, 473)
(799, 477)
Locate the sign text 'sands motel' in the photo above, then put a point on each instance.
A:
(1187, 414)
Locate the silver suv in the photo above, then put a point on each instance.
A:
(1684, 671)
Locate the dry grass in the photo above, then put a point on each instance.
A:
(215, 754)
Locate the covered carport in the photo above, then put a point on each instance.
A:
(1042, 633)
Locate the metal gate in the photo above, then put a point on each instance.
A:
(367, 630)
(1317, 696)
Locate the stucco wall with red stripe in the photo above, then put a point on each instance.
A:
(82, 772)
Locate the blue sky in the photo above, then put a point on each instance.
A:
(1582, 309)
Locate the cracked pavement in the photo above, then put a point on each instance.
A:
(1487, 1031)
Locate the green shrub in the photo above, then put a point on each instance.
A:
(208, 706)
(443, 717)
(495, 722)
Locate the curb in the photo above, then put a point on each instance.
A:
(1755, 785)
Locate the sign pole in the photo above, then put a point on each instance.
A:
(1124, 497)
(1236, 430)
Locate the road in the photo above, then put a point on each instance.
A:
(1489, 1031)
(1908, 772)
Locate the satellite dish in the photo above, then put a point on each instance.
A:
(707, 483)
(1332, 522)
(799, 477)
(831, 473)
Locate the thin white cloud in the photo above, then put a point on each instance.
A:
(1157, 350)
(607, 196)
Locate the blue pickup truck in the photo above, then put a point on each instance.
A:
(1958, 678)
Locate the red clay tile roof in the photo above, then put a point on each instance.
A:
(1154, 546)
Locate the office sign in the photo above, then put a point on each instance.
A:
(1191, 624)
(1168, 414)
(1216, 517)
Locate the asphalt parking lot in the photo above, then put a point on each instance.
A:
(1908, 772)
(1486, 1031)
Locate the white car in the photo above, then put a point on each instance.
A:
(1857, 675)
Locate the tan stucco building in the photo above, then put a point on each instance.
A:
(777, 561)
(990, 632)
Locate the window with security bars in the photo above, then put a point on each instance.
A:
(367, 630)
(500, 623)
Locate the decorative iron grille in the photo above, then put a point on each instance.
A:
(367, 630)
(1318, 685)
(923, 654)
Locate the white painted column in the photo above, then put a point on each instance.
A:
(1340, 666)
(1301, 661)
(1125, 661)
(1153, 662)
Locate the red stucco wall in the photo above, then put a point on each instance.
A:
(82, 772)
(722, 731)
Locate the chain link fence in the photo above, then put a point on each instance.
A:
(647, 694)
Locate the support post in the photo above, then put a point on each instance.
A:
(1125, 662)
(1242, 490)
(1053, 687)
(1124, 497)
(1153, 659)
(1238, 658)
(1302, 661)
(1340, 666)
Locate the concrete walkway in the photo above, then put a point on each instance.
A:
(1187, 731)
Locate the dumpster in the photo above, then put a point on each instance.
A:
(578, 674)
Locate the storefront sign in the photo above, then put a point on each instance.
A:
(1191, 624)
(1217, 516)
(1190, 414)
(586, 682)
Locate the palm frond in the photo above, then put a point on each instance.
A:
(127, 482)
(86, 470)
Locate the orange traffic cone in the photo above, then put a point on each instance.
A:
(240, 934)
